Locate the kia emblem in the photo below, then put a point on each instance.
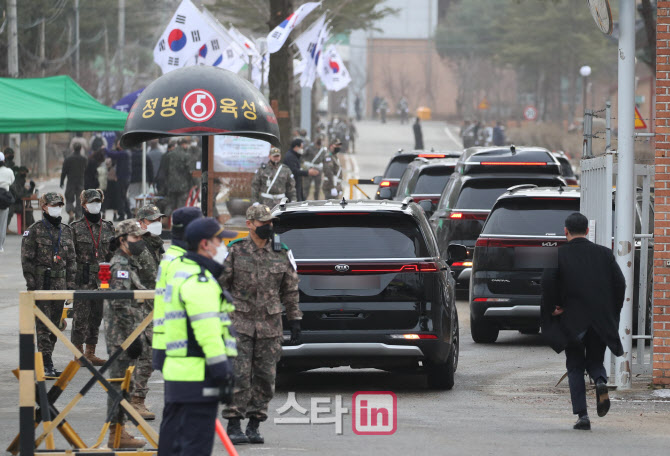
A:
(342, 268)
(549, 244)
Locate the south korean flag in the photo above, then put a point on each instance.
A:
(182, 39)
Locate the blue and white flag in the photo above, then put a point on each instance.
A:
(310, 45)
(277, 37)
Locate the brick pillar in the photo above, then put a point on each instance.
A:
(661, 366)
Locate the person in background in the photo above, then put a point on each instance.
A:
(499, 134)
(273, 181)
(6, 180)
(79, 139)
(155, 154)
(19, 191)
(292, 160)
(122, 165)
(418, 134)
(74, 169)
(135, 187)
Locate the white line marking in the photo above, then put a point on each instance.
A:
(458, 142)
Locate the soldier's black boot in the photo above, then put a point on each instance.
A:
(235, 433)
(49, 370)
(253, 433)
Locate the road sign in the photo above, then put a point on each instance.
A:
(639, 122)
(530, 112)
(483, 105)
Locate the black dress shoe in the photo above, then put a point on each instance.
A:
(602, 399)
(583, 424)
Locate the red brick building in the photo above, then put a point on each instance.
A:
(661, 363)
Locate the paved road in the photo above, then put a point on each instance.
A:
(504, 401)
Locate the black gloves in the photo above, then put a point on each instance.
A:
(226, 383)
(295, 332)
(135, 349)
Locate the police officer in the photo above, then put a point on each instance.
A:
(261, 277)
(332, 171)
(123, 315)
(180, 220)
(49, 263)
(198, 372)
(149, 219)
(92, 236)
(273, 181)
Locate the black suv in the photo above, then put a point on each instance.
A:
(374, 291)
(520, 238)
(567, 170)
(398, 164)
(482, 175)
(425, 179)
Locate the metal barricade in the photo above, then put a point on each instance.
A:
(28, 311)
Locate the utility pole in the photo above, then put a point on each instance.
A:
(120, 46)
(42, 157)
(624, 246)
(429, 57)
(13, 65)
(76, 39)
(107, 98)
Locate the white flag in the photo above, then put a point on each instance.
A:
(246, 43)
(310, 45)
(229, 55)
(332, 71)
(263, 66)
(182, 39)
(277, 37)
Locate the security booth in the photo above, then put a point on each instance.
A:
(203, 101)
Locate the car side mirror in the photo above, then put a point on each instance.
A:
(426, 205)
(456, 252)
(385, 194)
(377, 180)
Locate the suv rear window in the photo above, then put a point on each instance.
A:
(432, 180)
(529, 216)
(352, 236)
(482, 194)
(397, 166)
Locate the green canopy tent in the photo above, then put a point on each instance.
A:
(53, 104)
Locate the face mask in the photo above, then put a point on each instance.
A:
(94, 208)
(336, 149)
(54, 211)
(155, 228)
(136, 247)
(300, 151)
(221, 253)
(264, 231)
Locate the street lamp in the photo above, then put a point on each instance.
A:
(585, 71)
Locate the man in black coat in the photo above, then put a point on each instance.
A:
(292, 160)
(581, 304)
(74, 168)
(418, 135)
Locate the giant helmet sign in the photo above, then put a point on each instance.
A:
(200, 100)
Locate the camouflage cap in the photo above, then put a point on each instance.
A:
(52, 198)
(129, 226)
(274, 152)
(259, 212)
(149, 212)
(90, 195)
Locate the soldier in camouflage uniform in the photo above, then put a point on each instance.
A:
(273, 181)
(49, 263)
(261, 277)
(332, 172)
(179, 180)
(123, 315)
(149, 219)
(92, 236)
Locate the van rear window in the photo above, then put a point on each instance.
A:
(355, 236)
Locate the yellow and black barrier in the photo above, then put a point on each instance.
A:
(354, 183)
(28, 311)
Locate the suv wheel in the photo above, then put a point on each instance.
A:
(482, 331)
(441, 376)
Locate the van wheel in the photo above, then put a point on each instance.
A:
(441, 376)
(483, 332)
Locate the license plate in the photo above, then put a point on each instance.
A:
(344, 282)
